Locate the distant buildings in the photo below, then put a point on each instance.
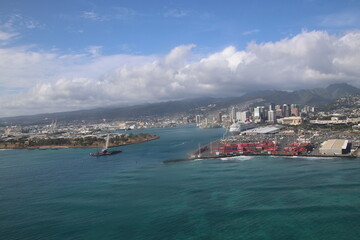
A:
(271, 116)
(233, 115)
(278, 111)
(288, 114)
(243, 116)
(286, 110)
(295, 110)
(219, 117)
(336, 121)
(197, 120)
(292, 120)
(259, 113)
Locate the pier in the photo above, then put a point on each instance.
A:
(283, 145)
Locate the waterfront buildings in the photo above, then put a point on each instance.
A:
(335, 147)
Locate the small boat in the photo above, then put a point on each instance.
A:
(104, 151)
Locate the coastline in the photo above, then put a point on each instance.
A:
(97, 145)
(255, 155)
(207, 154)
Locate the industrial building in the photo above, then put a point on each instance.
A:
(263, 130)
(292, 120)
(335, 147)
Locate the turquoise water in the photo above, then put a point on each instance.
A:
(66, 194)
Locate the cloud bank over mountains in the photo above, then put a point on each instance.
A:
(37, 81)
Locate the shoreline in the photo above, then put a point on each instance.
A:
(255, 155)
(54, 147)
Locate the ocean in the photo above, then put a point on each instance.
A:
(66, 194)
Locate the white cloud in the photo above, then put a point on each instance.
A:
(342, 19)
(5, 36)
(94, 50)
(117, 13)
(250, 32)
(16, 21)
(67, 82)
(11, 27)
(93, 16)
(176, 13)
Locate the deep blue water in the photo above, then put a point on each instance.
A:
(66, 194)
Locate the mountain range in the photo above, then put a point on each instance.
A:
(317, 96)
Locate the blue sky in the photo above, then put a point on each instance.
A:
(155, 27)
(55, 48)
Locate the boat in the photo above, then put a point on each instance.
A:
(104, 151)
(238, 127)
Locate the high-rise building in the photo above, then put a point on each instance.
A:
(278, 111)
(271, 116)
(238, 116)
(259, 113)
(198, 120)
(305, 109)
(286, 110)
(233, 114)
(243, 116)
(219, 117)
(295, 110)
(271, 106)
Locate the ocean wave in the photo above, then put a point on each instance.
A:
(312, 158)
(237, 158)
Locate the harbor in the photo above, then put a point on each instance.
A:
(326, 144)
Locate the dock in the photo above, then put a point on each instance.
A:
(282, 148)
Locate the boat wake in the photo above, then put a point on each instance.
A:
(179, 144)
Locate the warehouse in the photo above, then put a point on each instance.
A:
(335, 147)
(263, 130)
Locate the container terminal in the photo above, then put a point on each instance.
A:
(260, 142)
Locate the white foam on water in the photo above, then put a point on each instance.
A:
(179, 144)
(237, 158)
(318, 158)
(313, 158)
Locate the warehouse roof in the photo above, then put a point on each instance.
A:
(335, 144)
(264, 130)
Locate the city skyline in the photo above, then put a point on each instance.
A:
(77, 55)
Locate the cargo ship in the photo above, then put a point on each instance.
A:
(104, 151)
(238, 127)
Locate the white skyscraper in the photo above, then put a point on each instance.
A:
(198, 120)
(271, 116)
(243, 116)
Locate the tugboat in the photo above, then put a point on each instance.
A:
(104, 151)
